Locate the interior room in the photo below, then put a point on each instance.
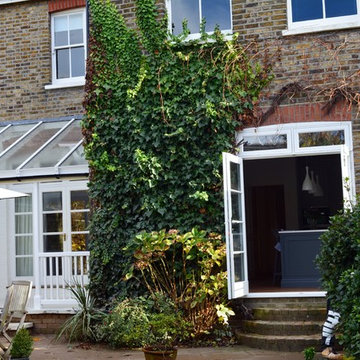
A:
(286, 194)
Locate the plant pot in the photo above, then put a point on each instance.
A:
(151, 354)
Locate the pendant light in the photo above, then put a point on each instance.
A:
(307, 184)
(318, 189)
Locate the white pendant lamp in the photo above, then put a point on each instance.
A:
(307, 183)
(318, 189)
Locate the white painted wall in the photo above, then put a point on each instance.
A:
(4, 249)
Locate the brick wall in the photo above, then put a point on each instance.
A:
(25, 66)
(46, 323)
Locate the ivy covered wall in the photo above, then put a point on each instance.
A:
(159, 113)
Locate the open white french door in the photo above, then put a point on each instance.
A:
(235, 229)
(346, 171)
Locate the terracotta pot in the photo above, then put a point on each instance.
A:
(160, 354)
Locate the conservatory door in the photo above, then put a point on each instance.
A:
(238, 284)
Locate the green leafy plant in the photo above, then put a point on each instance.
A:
(159, 113)
(81, 325)
(188, 268)
(22, 345)
(309, 353)
(150, 321)
(339, 263)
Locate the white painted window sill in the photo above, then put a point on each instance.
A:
(318, 28)
(65, 85)
(3, 2)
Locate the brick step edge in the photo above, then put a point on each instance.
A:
(281, 327)
(288, 343)
(289, 314)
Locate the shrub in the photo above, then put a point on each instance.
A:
(189, 269)
(152, 321)
(339, 263)
(22, 344)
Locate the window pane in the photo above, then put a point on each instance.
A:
(185, 9)
(24, 245)
(340, 8)
(76, 158)
(13, 133)
(235, 176)
(79, 200)
(58, 148)
(62, 64)
(79, 221)
(61, 31)
(238, 241)
(52, 222)
(23, 224)
(23, 204)
(76, 28)
(52, 201)
(24, 266)
(239, 267)
(53, 243)
(23, 150)
(79, 242)
(322, 138)
(236, 206)
(77, 61)
(265, 142)
(216, 12)
(306, 10)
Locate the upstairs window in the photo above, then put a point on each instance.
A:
(215, 13)
(317, 15)
(68, 32)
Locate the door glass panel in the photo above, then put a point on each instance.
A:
(53, 222)
(24, 245)
(79, 200)
(239, 267)
(322, 138)
(265, 142)
(236, 206)
(234, 176)
(52, 201)
(23, 204)
(79, 221)
(53, 243)
(237, 237)
(23, 224)
(79, 242)
(24, 266)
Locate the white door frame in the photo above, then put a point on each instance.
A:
(292, 149)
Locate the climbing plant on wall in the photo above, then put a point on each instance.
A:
(159, 112)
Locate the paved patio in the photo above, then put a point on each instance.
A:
(46, 349)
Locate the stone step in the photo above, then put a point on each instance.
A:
(289, 314)
(281, 327)
(279, 343)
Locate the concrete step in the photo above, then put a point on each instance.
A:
(279, 343)
(290, 314)
(281, 327)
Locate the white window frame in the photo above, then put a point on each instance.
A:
(324, 24)
(70, 81)
(195, 36)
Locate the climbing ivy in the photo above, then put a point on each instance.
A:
(160, 110)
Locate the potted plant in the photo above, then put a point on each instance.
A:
(163, 333)
(22, 345)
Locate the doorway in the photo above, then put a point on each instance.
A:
(275, 201)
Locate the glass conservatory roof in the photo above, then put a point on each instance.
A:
(41, 148)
